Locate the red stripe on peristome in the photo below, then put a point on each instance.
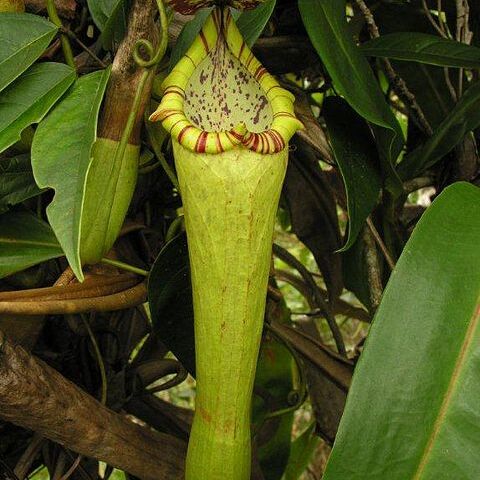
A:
(254, 144)
(219, 143)
(233, 141)
(237, 135)
(260, 142)
(204, 41)
(169, 91)
(260, 73)
(175, 124)
(201, 142)
(284, 114)
(276, 144)
(168, 113)
(250, 58)
(241, 49)
(182, 133)
(279, 138)
(271, 88)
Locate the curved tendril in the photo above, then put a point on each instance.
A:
(144, 47)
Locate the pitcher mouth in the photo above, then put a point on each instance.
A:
(204, 107)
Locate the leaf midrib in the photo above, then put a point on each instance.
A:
(442, 413)
(25, 46)
(35, 243)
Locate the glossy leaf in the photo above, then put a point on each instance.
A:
(30, 97)
(101, 10)
(61, 157)
(16, 181)
(355, 153)
(352, 77)
(464, 117)
(110, 16)
(424, 351)
(23, 38)
(426, 82)
(252, 22)
(170, 300)
(314, 219)
(25, 241)
(423, 48)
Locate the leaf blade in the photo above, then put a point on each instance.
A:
(29, 98)
(328, 30)
(443, 414)
(357, 158)
(423, 48)
(252, 22)
(464, 117)
(16, 181)
(61, 157)
(25, 241)
(23, 38)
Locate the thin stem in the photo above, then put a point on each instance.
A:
(98, 355)
(288, 258)
(434, 24)
(124, 266)
(73, 36)
(398, 84)
(66, 47)
(373, 269)
(450, 86)
(378, 239)
(157, 149)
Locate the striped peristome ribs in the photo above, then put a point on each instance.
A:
(220, 27)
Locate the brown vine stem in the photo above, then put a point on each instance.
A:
(128, 298)
(373, 269)
(35, 396)
(320, 301)
(66, 47)
(398, 84)
(435, 25)
(381, 244)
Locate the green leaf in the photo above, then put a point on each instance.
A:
(30, 97)
(110, 16)
(423, 48)
(170, 300)
(252, 22)
(16, 181)
(414, 398)
(301, 453)
(189, 31)
(352, 77)
(61, 157)
(23, 38)
(25, 241)
(354, 149)
(464, 117)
